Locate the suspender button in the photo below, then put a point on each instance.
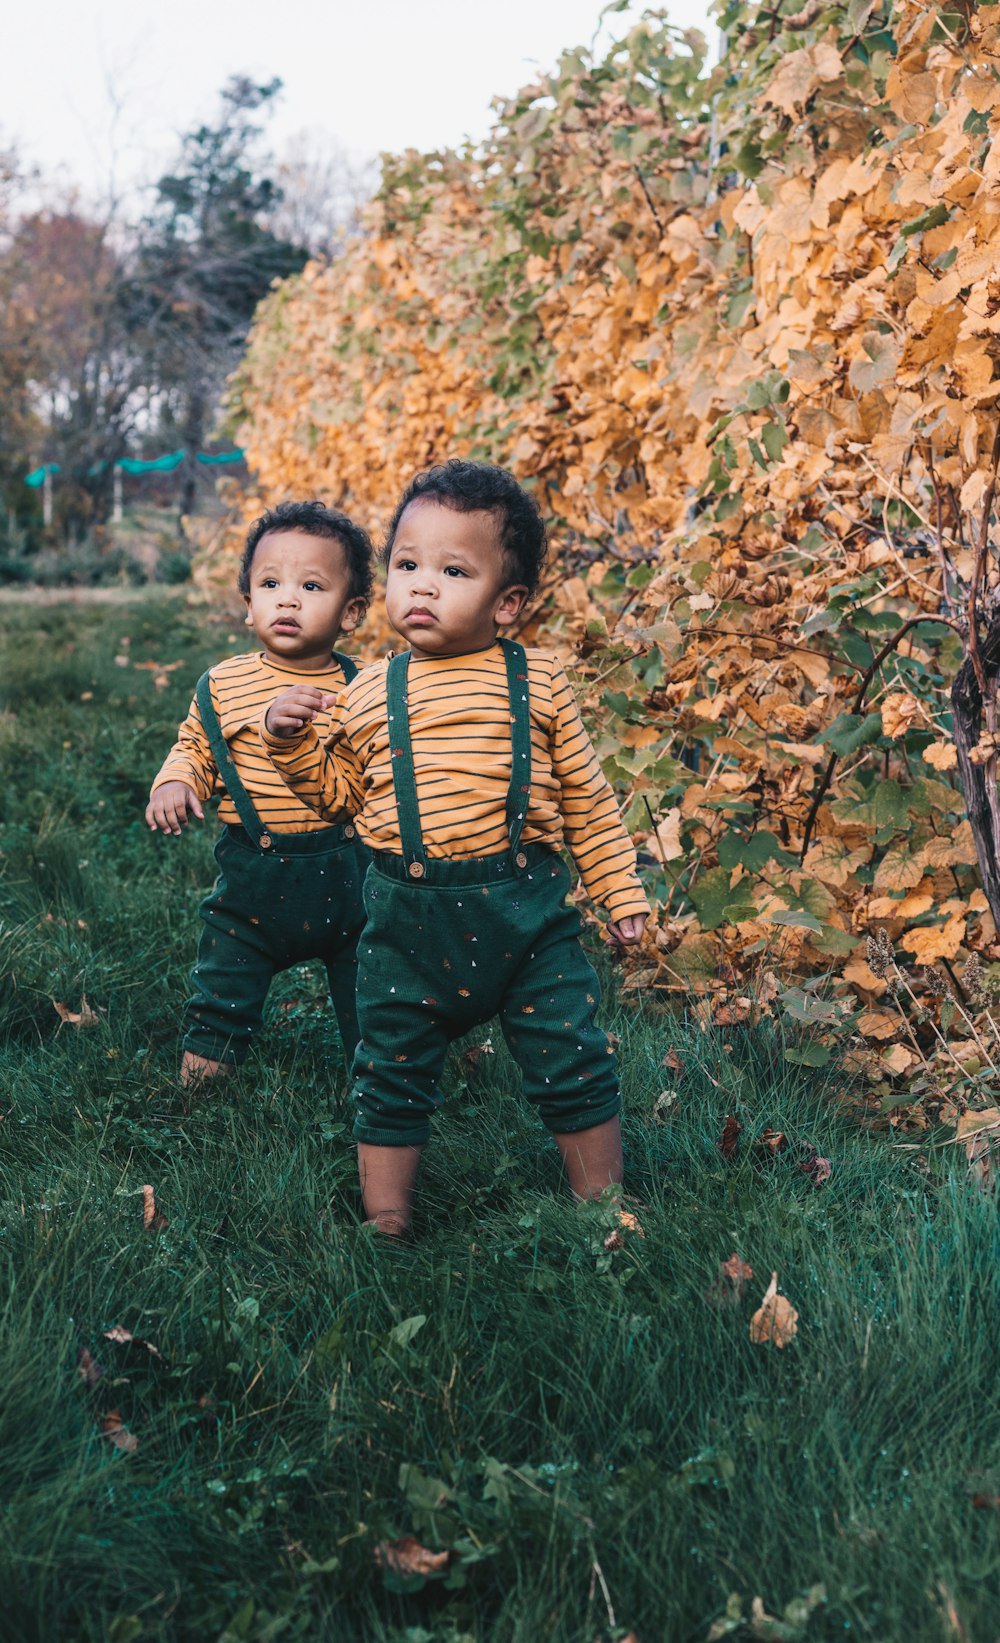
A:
(348, 831)
(520, 860)
(416, 869)
(265, 841)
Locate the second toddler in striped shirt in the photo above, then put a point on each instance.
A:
(289, 885)
(466, 766)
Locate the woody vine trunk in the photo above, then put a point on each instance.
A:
(979, 780)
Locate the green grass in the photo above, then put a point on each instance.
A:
(581, 1428)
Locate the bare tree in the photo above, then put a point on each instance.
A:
(324, 189)
(206, 256)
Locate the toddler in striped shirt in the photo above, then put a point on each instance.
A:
(289, 886)
(465, 765)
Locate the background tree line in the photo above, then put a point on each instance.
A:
(116, 337)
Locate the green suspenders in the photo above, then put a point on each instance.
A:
(404, 779)
(224, 760)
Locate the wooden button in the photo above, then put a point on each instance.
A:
(520, 860)
(416, 869)
(265, 841)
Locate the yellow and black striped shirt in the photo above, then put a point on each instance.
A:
(460, 731)
(243, 687)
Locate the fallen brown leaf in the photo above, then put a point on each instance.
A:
(775, 1320)
(738, 1271)
(733, 1014)
(731, 1131)
(124, 1337)
(818, 1169)
(774, 1140)
(117, 1433)
(474, 1054)
(665, 1105)
(84, 1017)
(88, 1368)
(152, 1220)
(673, 1061)
(977, 1131)
(629, 1222)
(730, 1281)
(986, 1503)
(408, 1557)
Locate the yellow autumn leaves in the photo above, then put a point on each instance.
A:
(758, 409)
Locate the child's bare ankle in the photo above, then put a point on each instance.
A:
(196, 1069)
(391, 1223)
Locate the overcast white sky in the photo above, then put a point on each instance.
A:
(372, 74)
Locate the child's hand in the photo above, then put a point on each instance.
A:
(625, 932)
(168, 807)
(295, 708)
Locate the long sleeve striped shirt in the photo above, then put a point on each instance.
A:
(460, 733)
(243, 687)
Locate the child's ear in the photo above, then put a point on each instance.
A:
(510, 606)
(353, 613)
(248, 619)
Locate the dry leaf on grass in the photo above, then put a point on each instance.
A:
(84, 1017)
(775, 1320)
(474, 1054)
(124, 1337)
(88, 1368)
(733, 1014)
(738, 1271)
(629, 1222)
(818, 1169)
(159, 670)
(408, 1557)
(774, 1140)
(151, 1218)
(877, 1024)
(730, 1136)
(730, 1281)
(978, 1131)
(117, 1433)
(898, 1061)
(665, 1105)
(673, 1061)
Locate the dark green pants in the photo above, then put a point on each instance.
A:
(268, 910)
(473, 940)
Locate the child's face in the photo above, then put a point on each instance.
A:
(300, 597)
(447, 587)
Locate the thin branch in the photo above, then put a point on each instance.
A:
(649, 198)
(866, 679)
(768, 639)
(982, 545)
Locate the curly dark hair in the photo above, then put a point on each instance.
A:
(480, 487)
(316, 519)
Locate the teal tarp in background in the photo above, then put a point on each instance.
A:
(139, 465)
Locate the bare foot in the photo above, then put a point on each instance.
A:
(388, 1181)
(391, 1225)
(195, 1069)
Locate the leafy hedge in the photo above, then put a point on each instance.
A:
(739, 329)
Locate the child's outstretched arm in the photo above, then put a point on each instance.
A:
(327, 776)
(186, 779)
(600, 846)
